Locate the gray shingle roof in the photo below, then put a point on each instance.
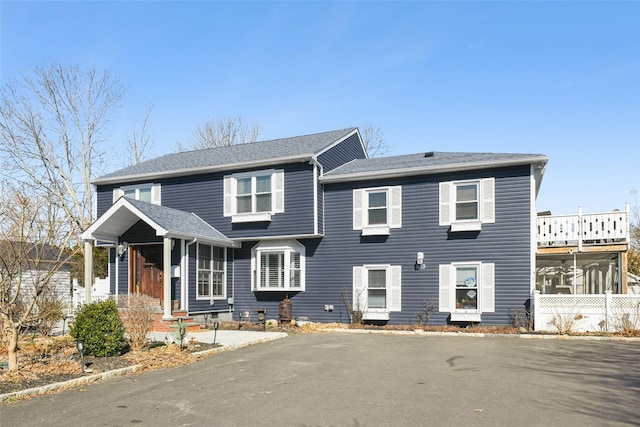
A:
(223, 158)
(178, 222)
(423, 163)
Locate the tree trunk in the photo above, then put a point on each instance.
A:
(13, 348)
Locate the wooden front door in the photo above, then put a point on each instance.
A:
(146, 270)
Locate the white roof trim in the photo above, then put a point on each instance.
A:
(92, 233)
(429, 170)
(202, 170)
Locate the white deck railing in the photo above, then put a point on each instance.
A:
(586, 313)
(564, 230)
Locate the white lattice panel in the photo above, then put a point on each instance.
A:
(588, 313)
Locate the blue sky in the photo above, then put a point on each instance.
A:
(556, 78)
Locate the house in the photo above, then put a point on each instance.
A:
(311, 218)
(35, 269)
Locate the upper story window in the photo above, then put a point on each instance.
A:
(149, 193)
(377, 290)
(467, 290)
(211, 272)
(466, 205)
(376, 210)
(278, 266)
(254, 196)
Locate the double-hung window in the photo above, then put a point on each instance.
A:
(278, 266)
(377, 210)
(377, 290)
(254, 196)
(467, 290)
(211, 272)
(149, 193)
(466, 205)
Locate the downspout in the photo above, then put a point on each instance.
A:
(186, 275)
(233, 282)
(316, 166)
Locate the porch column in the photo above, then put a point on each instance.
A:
(166, 277)
(88, 271)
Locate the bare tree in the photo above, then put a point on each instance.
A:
(374, 141)
(52, 124)
(33, 251)
(139, 142)
(223, 132)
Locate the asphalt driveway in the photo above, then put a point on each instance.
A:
(335, 379)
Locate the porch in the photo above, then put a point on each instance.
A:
(583, 253)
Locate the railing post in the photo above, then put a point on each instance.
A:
(607, 310)
(580, 229)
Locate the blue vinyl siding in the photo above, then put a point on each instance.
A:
(204, 194)
(347, 150)
(104, 198)
(330, 260)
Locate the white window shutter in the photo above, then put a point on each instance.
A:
(395, 289)
(395, 196)
(445, 203)
(445, 300)
(155, 194)
(359, 289)
(488, 200)
(358, 209)
(278, 191)
(117, 193)
(229, 195)
(488, 288)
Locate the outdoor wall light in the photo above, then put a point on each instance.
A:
(122, 249)
(420, 261)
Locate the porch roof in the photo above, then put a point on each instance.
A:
(167, 222)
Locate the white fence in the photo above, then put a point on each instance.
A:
(586, 313)
(100, 293)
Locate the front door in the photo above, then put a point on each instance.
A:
(146, 270)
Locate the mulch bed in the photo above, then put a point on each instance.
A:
(63, 363)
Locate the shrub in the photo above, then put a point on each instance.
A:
(427, 309)
(99, 326)
(50, 307)
(138, 318)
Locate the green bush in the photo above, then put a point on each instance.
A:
(99, 326)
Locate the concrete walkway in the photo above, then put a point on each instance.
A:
(229, 339)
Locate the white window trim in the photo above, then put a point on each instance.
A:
(486, 204)
(485, 286)
(361, 210)
(231, 192)
(286, 246)
(155, 192)
(393, 288)
(224, 276)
